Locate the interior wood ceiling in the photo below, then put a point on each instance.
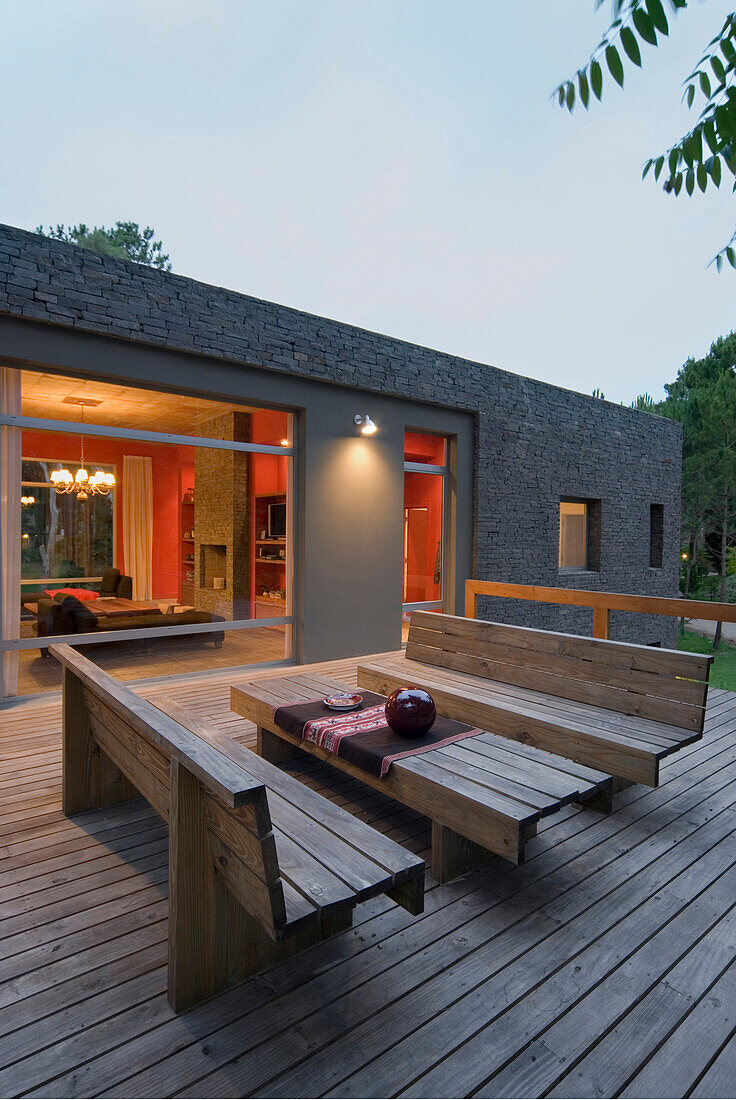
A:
(42, 395)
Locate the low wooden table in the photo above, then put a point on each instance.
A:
(484, 795)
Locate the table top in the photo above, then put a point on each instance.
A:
(108, 605)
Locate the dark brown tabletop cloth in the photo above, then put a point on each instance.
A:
(362, 736)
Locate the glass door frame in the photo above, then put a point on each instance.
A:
(443, 471)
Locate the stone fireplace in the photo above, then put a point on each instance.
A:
(222, 536)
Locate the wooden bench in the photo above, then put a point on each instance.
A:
(484, 795)
(614, 706)
(260, 866)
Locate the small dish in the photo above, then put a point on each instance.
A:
(350, 701)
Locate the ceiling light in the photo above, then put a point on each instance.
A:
(82, 484)
(368, 427)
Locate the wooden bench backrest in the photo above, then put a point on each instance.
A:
(148, 747)
(662, 684)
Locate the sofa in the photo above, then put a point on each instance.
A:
(115, 583)
(67, 615)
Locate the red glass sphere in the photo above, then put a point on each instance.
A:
(410, 711)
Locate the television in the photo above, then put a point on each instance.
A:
(277, 521)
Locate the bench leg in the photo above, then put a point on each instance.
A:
(453, 854)
(213, 941)
(601, 802)
(192, 895)
(89, 777)
(245, 949)
(274, 748)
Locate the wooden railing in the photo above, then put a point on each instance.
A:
(602, 603)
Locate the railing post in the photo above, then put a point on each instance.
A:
(601, 622)
(470, 595)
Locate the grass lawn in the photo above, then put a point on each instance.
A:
(723, 669)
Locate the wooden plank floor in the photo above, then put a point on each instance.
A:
(604, 966)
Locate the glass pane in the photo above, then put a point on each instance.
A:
(129, 659)
(220, 526)
(58, 397)
(422, 537)
(63, 538)
(419, 447)
(573, 540)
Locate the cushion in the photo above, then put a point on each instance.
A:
(110, 579)
(83, 594)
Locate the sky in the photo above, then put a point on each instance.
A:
(395, 164)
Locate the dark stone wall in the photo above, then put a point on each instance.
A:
(535, 443)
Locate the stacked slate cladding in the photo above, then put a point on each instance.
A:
(535, 443)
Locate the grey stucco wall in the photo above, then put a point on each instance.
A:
(535, 443)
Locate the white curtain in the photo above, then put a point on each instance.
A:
(10, 474)
(138, 524)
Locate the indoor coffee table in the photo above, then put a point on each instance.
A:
(484, 795)
(107, 605)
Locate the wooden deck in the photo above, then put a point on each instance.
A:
(604, 966)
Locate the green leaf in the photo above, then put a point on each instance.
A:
(709, 129)
(629, 43)
(731, 256)
(658, 167)
(615, 67)
(657, 16)
(678, 183)
(719, 262)
(570, 96)
(696, 144)
(702, 177)
(674, 160)
(728, 50)
(644, 26)
(690, 181)
(583, 89)
(647, 166)
(561, 95)
(705, 85)
(690, 95)
(724, 122)
(596, 79)
(717, 66)
(715, 171)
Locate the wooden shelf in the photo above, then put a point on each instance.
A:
(270, 542)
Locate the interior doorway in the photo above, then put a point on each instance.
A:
(424, 533)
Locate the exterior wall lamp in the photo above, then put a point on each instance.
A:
(368, 428)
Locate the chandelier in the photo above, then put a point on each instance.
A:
(82, 484)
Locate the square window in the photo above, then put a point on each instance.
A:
(580, 534)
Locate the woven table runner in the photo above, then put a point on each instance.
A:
(362, 736)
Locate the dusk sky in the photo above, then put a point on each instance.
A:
(397, 165)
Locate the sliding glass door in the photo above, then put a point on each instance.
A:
(424, 549)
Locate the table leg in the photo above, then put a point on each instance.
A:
(273, 748)
(453, 854)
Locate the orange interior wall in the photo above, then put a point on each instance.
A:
(419, 447)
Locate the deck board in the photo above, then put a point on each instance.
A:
(586, 971)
